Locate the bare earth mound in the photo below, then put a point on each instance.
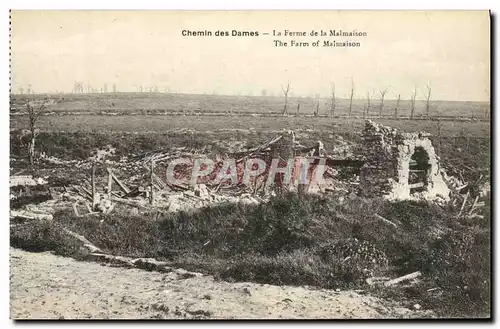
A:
(45, 286)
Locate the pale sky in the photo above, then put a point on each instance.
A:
(450, 50)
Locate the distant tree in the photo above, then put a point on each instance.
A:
(397, 107)
(263, 93)
(28, 91)
(412, 100)
(286, 90)
(316, 111)
(368, 103)
(33, 115)
(298, 107)
(114, 87)
(21, 90)
(332, 107)
(351, 97)
(382, 96)
(427, 102)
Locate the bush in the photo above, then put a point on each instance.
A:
(44, 236)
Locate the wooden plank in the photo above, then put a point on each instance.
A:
(159, 181)
(83, 188)
(463, 204)
(86, 243)
(75, 209)
(89, 208)
(110, 184)
(122, 185)
(473, 205)
(386, 221)
(417, 185)
(29, 215)
(413, 275)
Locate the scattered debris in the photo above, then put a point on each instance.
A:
(26, 180)
(29, 215)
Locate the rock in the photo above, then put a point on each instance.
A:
(105, 204)
(417, 306)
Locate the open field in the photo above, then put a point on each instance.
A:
(160, 103)
(144, 124)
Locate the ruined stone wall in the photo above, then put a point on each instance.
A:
(378, 151)
(387, 170)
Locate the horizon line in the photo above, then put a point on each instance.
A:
(236, 95)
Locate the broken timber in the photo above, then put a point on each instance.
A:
(411, 276)
(122, 186)
(386, 221)
(86, 243)
(29, 215)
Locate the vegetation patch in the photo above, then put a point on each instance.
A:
(301, 240)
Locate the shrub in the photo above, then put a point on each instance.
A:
(44, 236)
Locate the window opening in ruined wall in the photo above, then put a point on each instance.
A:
(419, 170)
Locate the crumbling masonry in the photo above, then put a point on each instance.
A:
(399, 165)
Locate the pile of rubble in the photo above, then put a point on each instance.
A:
(138, 184)
(390, 164)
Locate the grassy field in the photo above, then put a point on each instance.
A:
(187, 103)
(143, 124)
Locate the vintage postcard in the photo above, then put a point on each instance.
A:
(250, 165)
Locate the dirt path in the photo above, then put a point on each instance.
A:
(45, 286)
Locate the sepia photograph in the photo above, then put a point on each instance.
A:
(250, 164)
